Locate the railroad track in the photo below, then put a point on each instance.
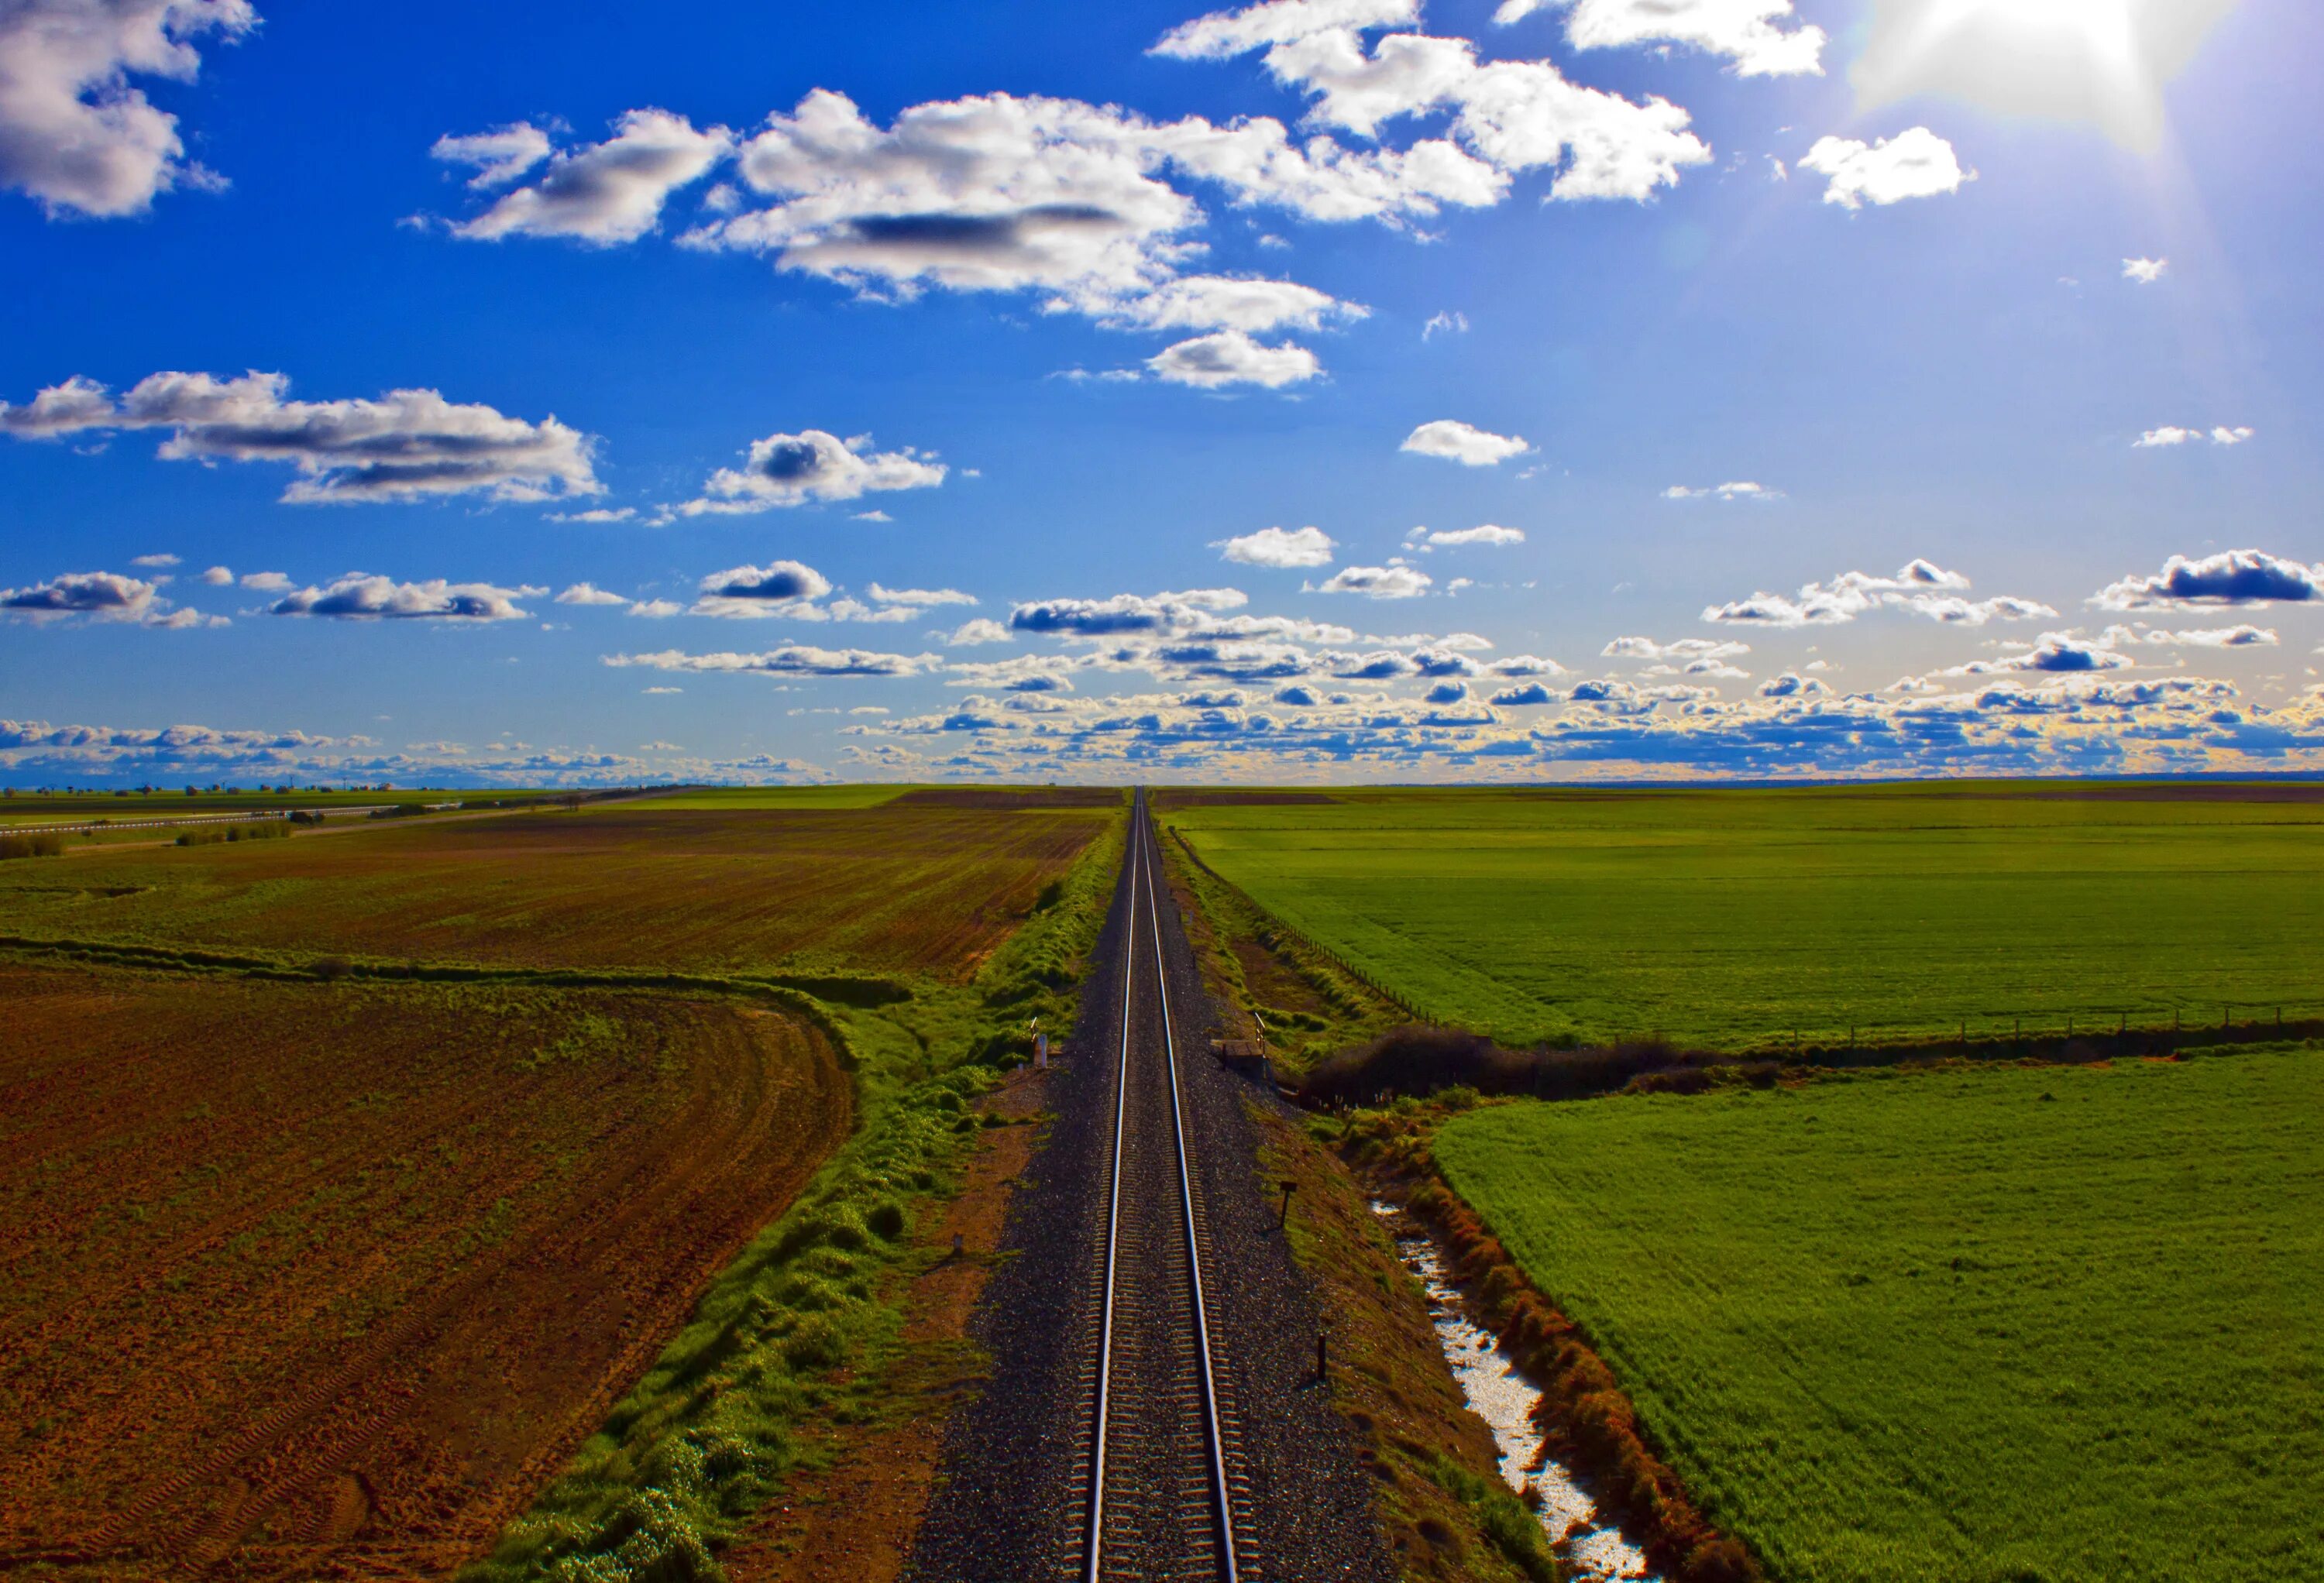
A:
(1162, 1497)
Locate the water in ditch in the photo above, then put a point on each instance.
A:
(1500, 1396)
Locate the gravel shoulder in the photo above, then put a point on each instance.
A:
(1006, 1488)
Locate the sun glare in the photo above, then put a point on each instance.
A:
(2104, 62)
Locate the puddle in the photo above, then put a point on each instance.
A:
(1501, 1396)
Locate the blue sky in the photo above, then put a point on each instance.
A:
(1318, 389)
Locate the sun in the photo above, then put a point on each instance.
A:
(2102, 61)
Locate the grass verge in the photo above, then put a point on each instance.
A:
(805, 1327)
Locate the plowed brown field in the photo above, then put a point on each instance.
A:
(927, 888)
(317, 1281)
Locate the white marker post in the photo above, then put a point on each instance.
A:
(1040, 1046)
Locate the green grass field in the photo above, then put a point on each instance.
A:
(1735, 918)
(2050, 1324)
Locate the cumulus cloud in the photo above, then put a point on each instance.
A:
(2239, 637)
(1513, 116)
(792, 659)
(1232, 358)
(2057, 653)
(1279, 547)
(2146, 272)
(1227, 302)
(812, 465)
(1192, 609)
(1531, 694)
(500, 156)
(2170, 434)
(1679, 651)
(589, 593)
(1916, 163)
(1428, 539)
(103, 596)
(1746, 32)
(2234, 576)
(779, 588)
(1921, 588)
(982, 630)
(919, 598)
(75, 134)
(1455, 441)
(365, 596)
(219, 576)
(1378, 582)
(606, 193)
(406, 446)
(1741, 490)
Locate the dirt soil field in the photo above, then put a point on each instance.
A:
(890, 889)
(325, 1281)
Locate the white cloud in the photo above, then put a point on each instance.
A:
(606, 193)
(1916, 163)
(778, 589)
(874, 515)
(406, 446)
(107, 596)
(1741, 491)
(500, 156)
(1455, 441)
(1450, 324)
(267, 582)
(1489, 533)
(1231, 357)
(74, 133)
(657, 609)
(1511, 115)
(1279, 547)
(1681, 649)
(2057, 653)
(796, 469)
(2146, 271)
(1379, 582)
(919, 598)
(589, 593)
(365, 596)
(1204, 302)
(218, 577)
(982, 630)
(2239, 637)
(1743, 31)
(2170, 434)
(792, 659)
(2231, 578)
(1193, 610)
(596, 514)
(1921, 588)
(156, 562)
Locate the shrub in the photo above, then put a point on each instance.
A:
(42, 845)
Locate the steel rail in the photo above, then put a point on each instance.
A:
(1093, 1541)
(1186, 1203)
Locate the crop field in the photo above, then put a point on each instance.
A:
(2050, 1323)
(1737, 919)
(292, 1272)
(770, 796)
(926, 888)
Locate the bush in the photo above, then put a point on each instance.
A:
(32, 846)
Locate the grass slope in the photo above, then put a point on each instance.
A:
(1733, 918)
(2047, 1324)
